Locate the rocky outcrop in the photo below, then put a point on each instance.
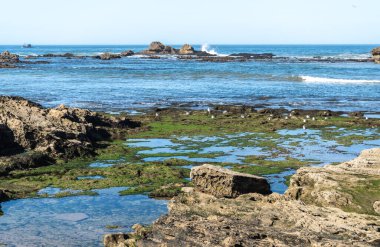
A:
(352, 185)
(199, 219)
(253, 56)
(157, 48)
(222, 182)
(60, 132)
(108, 56)
(127, 53)
(187, 50)
(376, 55)
(8, 60)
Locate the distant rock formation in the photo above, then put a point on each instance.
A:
(108, 56)
(222, 182)
(186, 50)
(157, 48)
(376, 55)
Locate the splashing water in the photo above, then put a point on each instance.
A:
(207, 48)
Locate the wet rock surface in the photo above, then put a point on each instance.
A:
(376, 55)
(60, 132)
(222, 182)
(8, 60)
(200, 219)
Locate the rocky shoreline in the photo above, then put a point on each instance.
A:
(158, 50)
(202, 219)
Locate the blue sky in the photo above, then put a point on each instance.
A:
(190, 21)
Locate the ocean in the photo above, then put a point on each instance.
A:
(133, 83)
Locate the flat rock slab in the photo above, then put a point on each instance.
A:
(222, 182)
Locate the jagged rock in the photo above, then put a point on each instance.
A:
(376, 55)
(323, 186)
(115, 240)
(199, 219)
(222, 182)
(186, 50)
(157, 48)
(61, 132)
(8, 60)
(24, 161)
(127, 53)
(7, 57)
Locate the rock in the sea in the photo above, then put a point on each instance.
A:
(108, 56)
(8, 60)
(157, 48)
(222, 182)
(356, 114)
(60, 132)
(186, 50)
(127, 53)
(376, 55)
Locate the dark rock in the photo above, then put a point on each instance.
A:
(356, 114)
(108, 56)
(235, 109)
(127, 53)
(115, 240)
(222, 182)
(24, 161)
(61, 132)
(253, 55)
(8, 60)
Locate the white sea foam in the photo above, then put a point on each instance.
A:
(313, 79)
(208, 49)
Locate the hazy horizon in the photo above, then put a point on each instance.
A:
(118, 22)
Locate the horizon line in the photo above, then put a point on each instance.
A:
(138, 44)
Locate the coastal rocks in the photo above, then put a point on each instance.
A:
(356, 114)
(186, 50)
(107, 56)
(235, 109)
(24, 161)
(61, 132)
(222, 182)
(127, 53)
(8, 60)
(254, 56)
(115, 240)
(351, 185)
(157, 48)
(376, 55)
(199, 219)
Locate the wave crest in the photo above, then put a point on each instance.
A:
(312, 79)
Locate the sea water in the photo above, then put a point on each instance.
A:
(135, 82)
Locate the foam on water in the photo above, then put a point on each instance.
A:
(313, 79)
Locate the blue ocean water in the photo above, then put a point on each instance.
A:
(135, 82)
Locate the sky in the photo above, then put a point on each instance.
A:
(191, 21)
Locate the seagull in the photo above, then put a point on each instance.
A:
(225, 112)
(212, 116)
(187, 113)
(269, 118)
(304, 121)
(326, 118)
(366, 118)
(313, 118)
(286, 118)
(304, 127)
(157, 115)
(242, 116)
(209, 110)
(307, 116)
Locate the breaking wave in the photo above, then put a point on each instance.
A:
(313, 79)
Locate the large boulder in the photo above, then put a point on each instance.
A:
(7, 57)
(376, 54)
(186, 50)
(61, 132)
(222, 182)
